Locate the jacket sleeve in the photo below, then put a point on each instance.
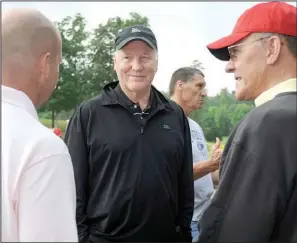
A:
(248, 200)
(186, 186)
(75, 138)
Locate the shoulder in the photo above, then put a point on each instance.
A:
(176, 109)
(45, 144)
(91, 103)
(84, 111)
(194, 124)
(177, 112)
(47, 151)
(271, 114)
(267, 123)
(32, 142)
(195, 129)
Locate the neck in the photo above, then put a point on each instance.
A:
(24, 87)
(282, 74)
(140, 97)
(177, 100)
(19, 77)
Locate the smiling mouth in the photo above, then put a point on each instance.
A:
(136, 76)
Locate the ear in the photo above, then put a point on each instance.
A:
(274, 44)
(44, 66)
(179, 84)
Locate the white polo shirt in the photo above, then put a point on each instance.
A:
(203, 187)
(37, 188)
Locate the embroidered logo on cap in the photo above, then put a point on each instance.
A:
(135, 30)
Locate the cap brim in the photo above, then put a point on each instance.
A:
(126, 41)
(219, 48)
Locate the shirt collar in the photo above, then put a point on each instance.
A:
(285, 86)
(18, 98)
(124, 98)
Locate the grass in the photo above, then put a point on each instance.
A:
(59, 123)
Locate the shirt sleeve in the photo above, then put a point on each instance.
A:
(249, 198)
(75, 139)
(186, 186)
(46, 210)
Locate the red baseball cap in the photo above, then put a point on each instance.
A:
(271, 17)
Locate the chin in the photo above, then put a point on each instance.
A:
(239, 97)
(138, 86)
(240, 94)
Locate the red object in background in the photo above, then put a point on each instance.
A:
(58, 132)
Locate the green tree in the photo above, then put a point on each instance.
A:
(71, 86)
(239, 111)
(220, 114)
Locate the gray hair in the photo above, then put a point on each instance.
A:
(185, 74)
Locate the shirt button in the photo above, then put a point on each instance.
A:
(135, 106)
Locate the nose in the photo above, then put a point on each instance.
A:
(137, 65)
(204, 93)
(230, 67)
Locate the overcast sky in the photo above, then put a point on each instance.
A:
(182, 29)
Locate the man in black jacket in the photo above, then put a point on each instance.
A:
(256, 200)
(131, 151)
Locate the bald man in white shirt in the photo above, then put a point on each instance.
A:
(38, 188)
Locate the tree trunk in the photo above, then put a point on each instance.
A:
(53, 118)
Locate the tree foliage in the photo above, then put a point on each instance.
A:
(220, 114)
(70, 87)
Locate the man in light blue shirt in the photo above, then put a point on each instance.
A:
(187, 88)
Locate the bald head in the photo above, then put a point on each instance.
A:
(31, 48)
(27, 33)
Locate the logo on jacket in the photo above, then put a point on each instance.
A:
(166, 127)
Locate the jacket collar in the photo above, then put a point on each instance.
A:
(112, 94)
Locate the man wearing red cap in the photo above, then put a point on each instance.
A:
(256, 200)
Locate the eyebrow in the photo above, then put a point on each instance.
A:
(200, 82)
(131, 52)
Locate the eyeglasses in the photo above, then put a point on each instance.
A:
(232, 49)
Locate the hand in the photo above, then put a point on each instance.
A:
(203, 168)
(216, 155)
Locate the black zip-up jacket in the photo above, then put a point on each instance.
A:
(256, 200)
(133, 169)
